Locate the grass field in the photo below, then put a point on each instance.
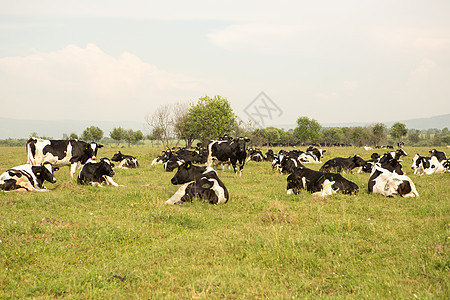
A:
(85, 242)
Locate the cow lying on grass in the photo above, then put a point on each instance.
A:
(390, 184)
(125, 161)
(97, 173)
(319, 182)
(340, 164)
(27, 178)
(427, 165)
(200, 182)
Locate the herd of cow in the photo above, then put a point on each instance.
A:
(386, 174)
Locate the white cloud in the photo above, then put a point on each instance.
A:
(73, 77)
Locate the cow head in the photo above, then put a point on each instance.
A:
(105, 167)
(184, 174)
(90, 151)
(294, 184)
(399, 153)
(359, 162)
(117, 157)
(45, 172)
(240, 141)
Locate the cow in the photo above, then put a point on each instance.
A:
(427, 165)
(396, 154)
(255, 155)
(198, 156)
(173, 163)
(97, 173)
(270, 156)
(226, 151)
(340, 164)
(289, 165)
(390, 184)
(59, 153)
(313, 181)
(27, 178)
(125, 161)
(312, 155)
(439, 155)
(200, 182)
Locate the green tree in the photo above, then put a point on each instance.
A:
(73, 136)
(210, 118)
(379, 131)
(137, 136)
(272, 135)
(414, 136)
(92, 133)
(398, 130)
(117, 134)
(332, 135)
(307, 129)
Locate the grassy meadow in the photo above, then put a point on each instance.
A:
(86, 242)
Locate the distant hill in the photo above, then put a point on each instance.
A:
(439, 122)
(12, 128)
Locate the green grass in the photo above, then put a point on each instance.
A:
(85, 242)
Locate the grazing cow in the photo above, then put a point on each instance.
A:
(125, 161)
(228, 152)
(340, 164)
(59, 153)
(427, 165)
(97, 173)
(201, 182)
(27, 178)
(390, 184)
(313, 181)
(439, 155)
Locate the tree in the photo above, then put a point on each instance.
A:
(161, 120)
(179, 122)
(73, 136)
(307, 129)
(398, 130)
(413, 136)
(117, 134)
(332, 135)
(210, 118)
(379, 133)
(92, 133)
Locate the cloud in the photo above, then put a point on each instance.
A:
(72, 77)
(263, 37)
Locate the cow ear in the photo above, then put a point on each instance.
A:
(188, 165)
(247, 139)
(99, 146)
(55, 169)
(112, 165)
(207, 185)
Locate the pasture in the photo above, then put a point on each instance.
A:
(125, 242)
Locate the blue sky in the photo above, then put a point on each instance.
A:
(334, 61)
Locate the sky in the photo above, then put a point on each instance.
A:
(333, 61)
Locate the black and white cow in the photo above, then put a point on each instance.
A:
(59, 153)
(97, 173)
(255, 155)
(441, 156)
(340, 164)
(312, 155)
(232, 152)
(289, 165)
(27, 178)
(270, 156)
(197, 156)
(313, 181)
(200, 182)
(125, 161)
(395, 154)
(390, 184)
(427, 165)
(173, 163)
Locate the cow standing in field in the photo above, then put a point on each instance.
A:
(125, 161)
(228, 151)
(59, 153)
(27, 178)
(201, 182)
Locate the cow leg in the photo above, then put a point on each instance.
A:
(179, 194)
(110, 181)
(73, 168)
